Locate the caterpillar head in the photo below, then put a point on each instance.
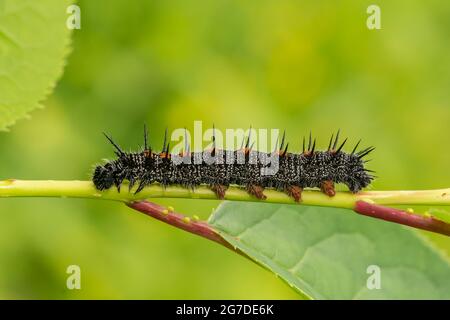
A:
(103, 177)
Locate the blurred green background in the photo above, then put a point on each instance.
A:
(294, 65)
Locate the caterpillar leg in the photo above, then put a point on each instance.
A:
(256, 191)
(132, 181)
(219, 190)
(327, 187)
(118, 183)
(295, 192)
(141, 186)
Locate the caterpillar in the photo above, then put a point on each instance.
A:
(309, 169)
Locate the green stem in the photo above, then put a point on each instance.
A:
(85, 189)
(366, 203)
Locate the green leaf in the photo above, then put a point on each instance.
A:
(34, 42)
(324, 253)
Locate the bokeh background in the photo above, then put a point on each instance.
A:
(294, 65)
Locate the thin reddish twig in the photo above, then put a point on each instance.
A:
(200, 228)
(402, 217)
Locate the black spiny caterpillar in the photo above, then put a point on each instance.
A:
(309, 169)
